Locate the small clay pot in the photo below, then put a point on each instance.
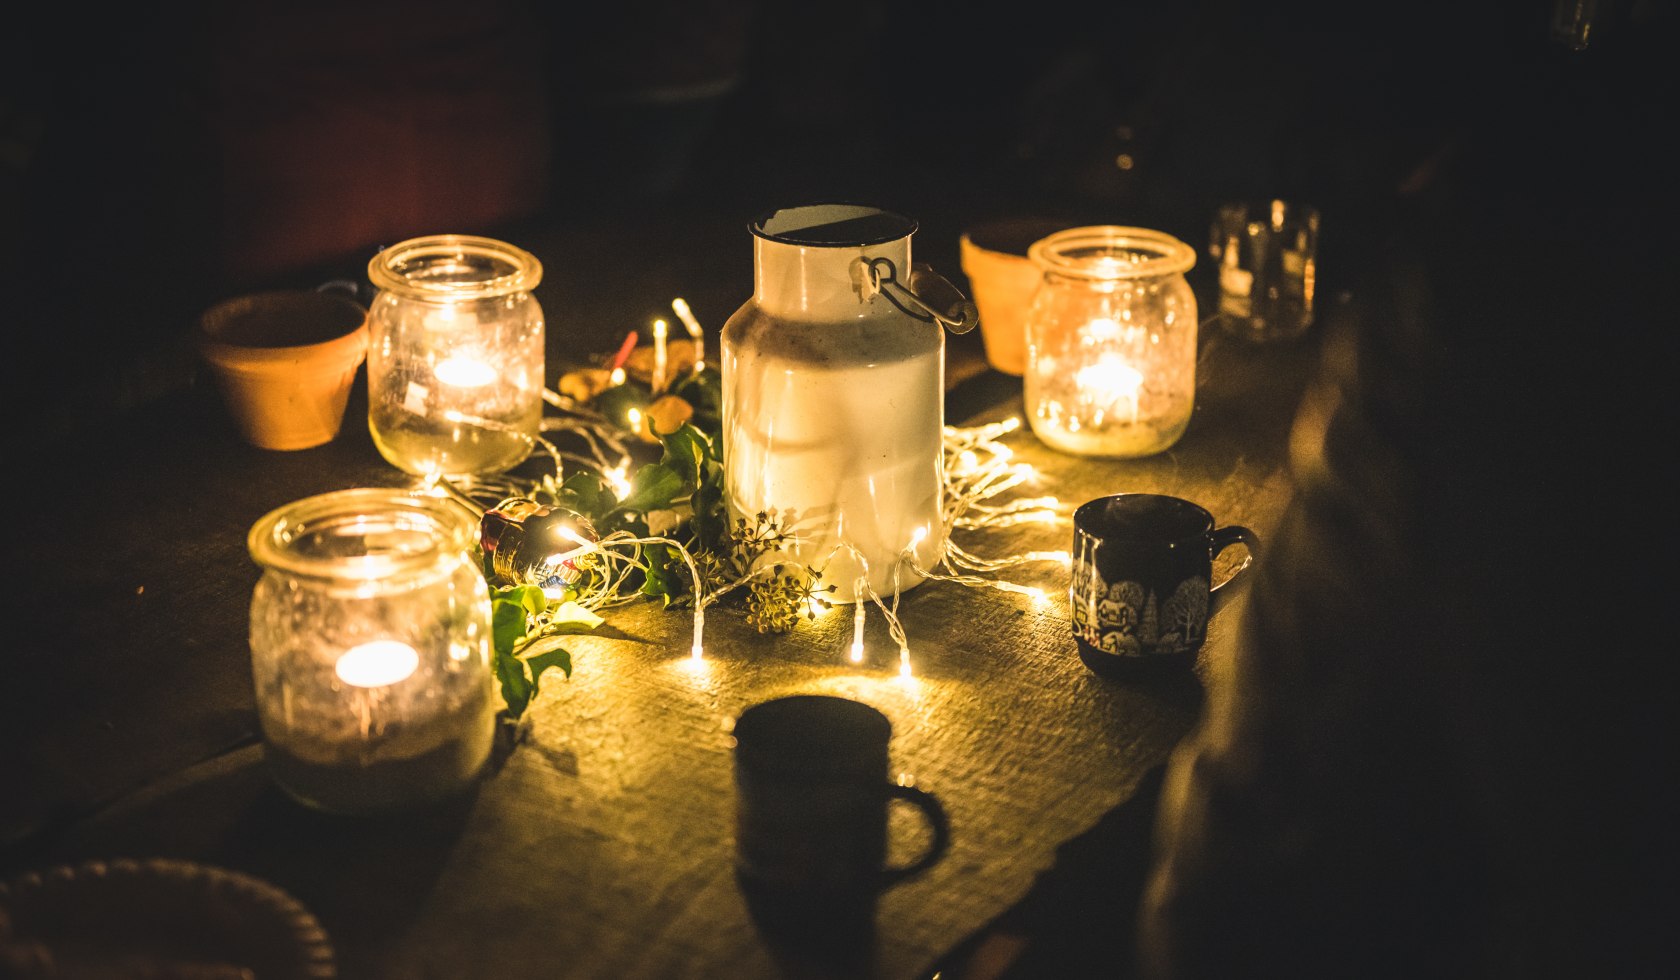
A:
(1002, 281)
(285, 361)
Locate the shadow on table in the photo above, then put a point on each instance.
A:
(1078, 919)
(819, 941)
(365, 879)
(982, 392)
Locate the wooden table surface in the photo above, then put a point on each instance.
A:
(601, 845)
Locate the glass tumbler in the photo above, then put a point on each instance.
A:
(1268, 255)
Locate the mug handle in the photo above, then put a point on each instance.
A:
(1225, 537)
(935, 813)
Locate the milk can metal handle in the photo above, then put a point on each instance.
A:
(956, 312)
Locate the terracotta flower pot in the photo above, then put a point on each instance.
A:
(1002, 280)
(285, 361)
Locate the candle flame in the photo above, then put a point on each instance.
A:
(1108, 383)
(1102, 328)
(379, 663)
(464, 372)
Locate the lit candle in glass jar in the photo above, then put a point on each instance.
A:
(1108, 385)
(370, 649)
(464, 372)
(380, 663)
(460, 363)
(372, 669)
(1111, 342)
(455, 363)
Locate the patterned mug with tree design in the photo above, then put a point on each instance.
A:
(1142, 587)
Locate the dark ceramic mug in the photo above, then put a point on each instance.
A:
(1142, 590)
(811, 804)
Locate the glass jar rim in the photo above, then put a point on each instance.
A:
(1130, 253)
(274, 539)
(497, 268)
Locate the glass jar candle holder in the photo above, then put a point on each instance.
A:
(370, 649)
(1111, 341)
(455, 356)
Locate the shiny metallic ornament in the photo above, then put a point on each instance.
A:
(530, 543)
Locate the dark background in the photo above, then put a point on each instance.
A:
(157, 157)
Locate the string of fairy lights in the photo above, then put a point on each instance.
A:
(980, 480)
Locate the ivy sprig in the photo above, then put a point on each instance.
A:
(526, 624)
(525, 627)
(685, 486)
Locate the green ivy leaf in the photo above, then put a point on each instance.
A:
(529, 598)
(616, 402)
(693, 455)
(660, 580)
(542, 660)
(511, 610)
(653, 487)
(508, 620)
(569, 617)
(588, 494)
(516, 688)
(703, 391)
(686, 451)
(711, 514)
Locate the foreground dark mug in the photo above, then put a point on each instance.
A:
(1142, 589)
(811, 806)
